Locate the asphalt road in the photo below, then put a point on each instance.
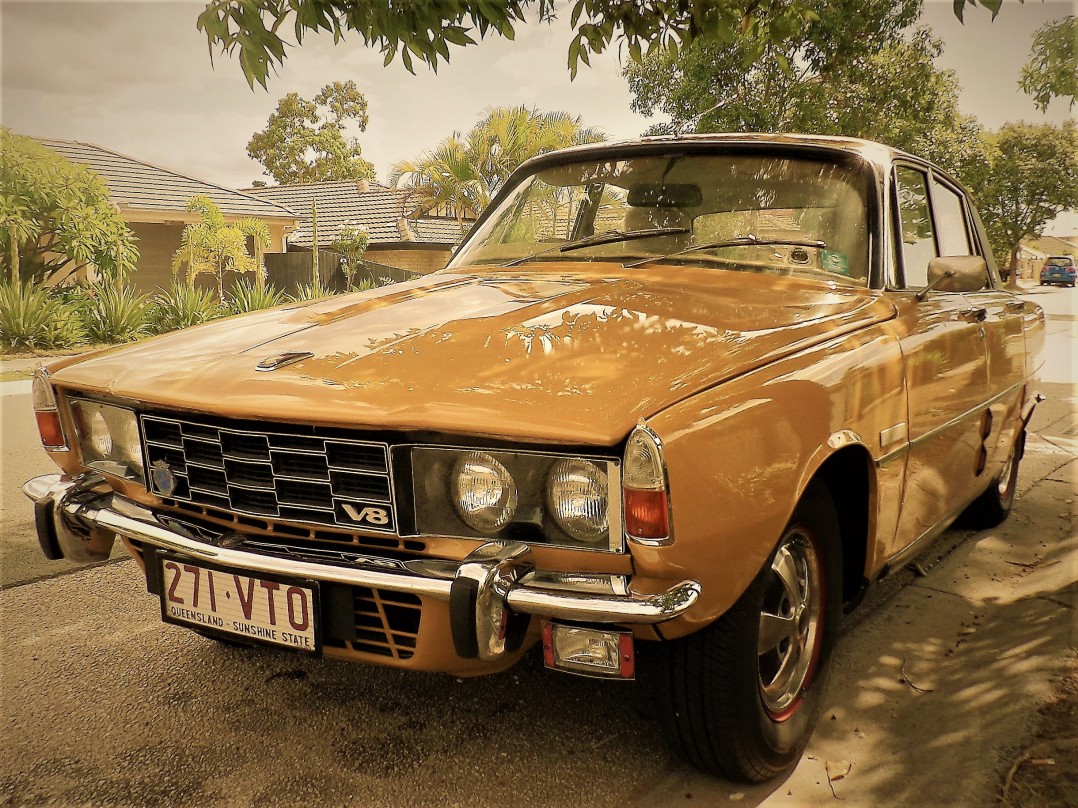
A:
(936, 682)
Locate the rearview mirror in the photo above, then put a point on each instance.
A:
(957, 273)
(665, 195)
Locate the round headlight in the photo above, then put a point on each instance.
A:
(483, 491)
(126, 438)
(100, 438)
(578, 498)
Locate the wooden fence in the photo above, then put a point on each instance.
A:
(288, 271)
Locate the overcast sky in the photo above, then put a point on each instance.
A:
(136, 77)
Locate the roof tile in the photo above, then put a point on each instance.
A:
(375, 210)
(137, 184)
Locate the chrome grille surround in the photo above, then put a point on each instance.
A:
(305, 475)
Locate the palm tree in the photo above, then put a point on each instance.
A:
(212, 246)
(448, 176)
(465, 171)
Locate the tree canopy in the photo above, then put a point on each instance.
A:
(424, 32)
(1030, 176)
(1052, 70)
(305, 140)
(865, 77)
(465, 171)
(56, 216)
(350, 244)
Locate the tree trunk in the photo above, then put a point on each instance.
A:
(191, 264)
(1012, 281)
(315, 280)
(14, 244)
(260, 269)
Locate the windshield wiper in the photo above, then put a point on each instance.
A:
(742, 241)
(597, 239)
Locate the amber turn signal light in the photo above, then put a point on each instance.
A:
(647, 514)
(48, 425)
(46, 413)
(645, 487)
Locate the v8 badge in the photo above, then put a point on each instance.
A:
(372, 516)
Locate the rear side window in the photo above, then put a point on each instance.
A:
(950, 221)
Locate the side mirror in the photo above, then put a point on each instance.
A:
(957, 273)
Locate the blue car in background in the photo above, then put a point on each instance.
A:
(1058, 269)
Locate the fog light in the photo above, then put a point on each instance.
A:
(589, 651)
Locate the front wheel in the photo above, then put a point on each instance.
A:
(740, 698)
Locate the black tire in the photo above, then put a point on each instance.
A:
(993, 506)
(733, 710)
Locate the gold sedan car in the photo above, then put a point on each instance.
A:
(694, 392)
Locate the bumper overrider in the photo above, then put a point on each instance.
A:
(491, 593)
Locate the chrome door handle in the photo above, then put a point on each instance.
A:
(1016, 305)
(977, 315)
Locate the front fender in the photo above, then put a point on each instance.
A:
(740, 456)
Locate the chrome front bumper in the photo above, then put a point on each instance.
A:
(486, 591)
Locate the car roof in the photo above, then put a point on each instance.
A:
(869, 150)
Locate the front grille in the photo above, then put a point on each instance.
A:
(299, 474)
(387, 623)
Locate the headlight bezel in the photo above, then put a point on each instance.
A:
(432, 467)
(125, 456)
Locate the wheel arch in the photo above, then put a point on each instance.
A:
(848, 476)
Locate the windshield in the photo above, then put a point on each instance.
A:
(808, 215)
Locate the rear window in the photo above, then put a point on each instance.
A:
(1059, 262)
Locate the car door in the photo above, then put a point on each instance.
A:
(1001, 314)
(942, 338)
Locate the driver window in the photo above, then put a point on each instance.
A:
(917, 233)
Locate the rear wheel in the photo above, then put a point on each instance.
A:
(993, 506)
(740, 698)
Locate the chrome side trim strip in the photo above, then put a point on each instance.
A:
(894, 434)
(947, 425)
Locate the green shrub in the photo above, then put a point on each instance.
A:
(183, 306)
(114, 313)
(246, 296)
(308, 291)
(32, 318)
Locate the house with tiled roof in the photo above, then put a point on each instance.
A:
(153, 201)
(399, 237)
